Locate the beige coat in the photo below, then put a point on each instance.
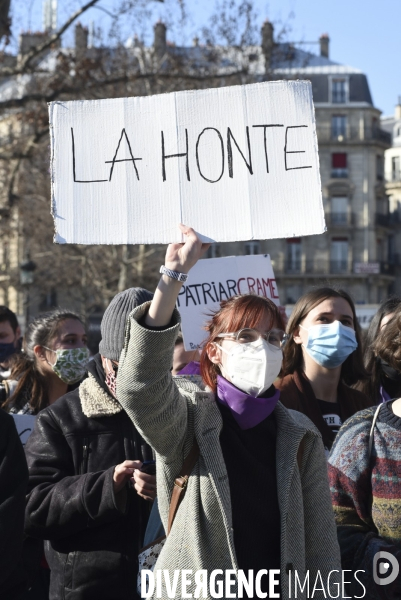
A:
(168, 413)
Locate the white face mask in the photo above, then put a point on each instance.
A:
(252, 367)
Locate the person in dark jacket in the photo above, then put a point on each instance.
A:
(322, 358)
(82, 456)
(13, 483)
(10, 340)
(52, 363)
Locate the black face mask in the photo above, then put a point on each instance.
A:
(389, 372)
(390, 379)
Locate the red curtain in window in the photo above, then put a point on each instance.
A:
(339, 161)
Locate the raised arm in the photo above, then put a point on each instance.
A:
(145, 387)
(179, 258)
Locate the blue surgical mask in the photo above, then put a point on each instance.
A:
(330, 345)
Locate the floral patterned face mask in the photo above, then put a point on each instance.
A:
(111, 380)
(70, 363)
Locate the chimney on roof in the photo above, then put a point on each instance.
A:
(267, 42)
(49, 15)
(324, 45)
(81, 37)
(28, 41)
(137, 41)
(397, 112)
(159, 43)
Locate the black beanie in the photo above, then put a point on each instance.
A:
(114, 320)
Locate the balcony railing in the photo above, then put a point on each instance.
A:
(381, 219)
(293, 266)
(327, 133)
(387, 268)
(381, 136)
(387, 220)
(393, 176)
(339, 173)
(339, 266)
(340, 219)
(323, 268)
(348, 219)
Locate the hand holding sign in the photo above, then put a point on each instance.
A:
(180, 258)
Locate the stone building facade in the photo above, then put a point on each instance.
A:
(358, 251)
(392, 174)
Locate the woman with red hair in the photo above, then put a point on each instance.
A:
(257, 500)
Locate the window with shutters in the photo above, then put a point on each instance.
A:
(339, 210)
(339, 255)
(339, 164)
(294, 255)
(338, 127)
(339, 91)
(252, 247)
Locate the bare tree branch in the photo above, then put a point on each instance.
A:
(89, 276)
(126, 78)
(24, 66)
(27, 151)
(51, 40)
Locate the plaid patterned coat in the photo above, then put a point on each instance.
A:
(168, 413)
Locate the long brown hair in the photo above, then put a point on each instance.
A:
(32, 386)
(388, 342)
(352, 369)
(371, 386)
(235, 314)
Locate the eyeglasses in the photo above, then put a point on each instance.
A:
(276, 337)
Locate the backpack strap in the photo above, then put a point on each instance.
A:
(373, 428)
(181, 482)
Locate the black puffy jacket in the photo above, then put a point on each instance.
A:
(13, 482)
(93, 536)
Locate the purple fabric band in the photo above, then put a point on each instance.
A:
(247, 410)
(192, 368)
(384, 397)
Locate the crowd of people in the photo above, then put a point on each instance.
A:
(274, 449)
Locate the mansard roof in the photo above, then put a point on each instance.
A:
(288, 61)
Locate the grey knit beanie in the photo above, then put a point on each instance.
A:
(114, 320)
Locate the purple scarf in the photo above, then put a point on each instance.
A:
(384, 396)
(192, 368)
(246, 410)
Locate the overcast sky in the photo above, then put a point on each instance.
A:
(363, 33)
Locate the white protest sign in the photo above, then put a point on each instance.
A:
(234, 163)
(24, 425)
(215, 279)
